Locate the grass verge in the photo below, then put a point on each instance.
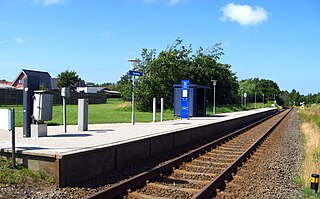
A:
(20, 174)
(310, 128)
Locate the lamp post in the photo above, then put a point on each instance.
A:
(255, 99)
(134, 63)
(245, 99)
(241, 93)
(214, 82)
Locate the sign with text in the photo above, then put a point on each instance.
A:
(135, 73)
(184, 112)
(5, 119)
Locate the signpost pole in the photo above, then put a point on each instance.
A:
(133, 73)
(132, 112)
(7, 122)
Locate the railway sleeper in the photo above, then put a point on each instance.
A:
(168, 191)
(176, 181)
(201, 169)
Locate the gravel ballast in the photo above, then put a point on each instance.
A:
(270, 171)
(269, 174)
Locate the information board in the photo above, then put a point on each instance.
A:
(184, 112)
(5, 119)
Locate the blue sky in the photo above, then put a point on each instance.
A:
(277, 40)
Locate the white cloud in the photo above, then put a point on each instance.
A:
(170, 2)
(47, 2)
(51, 2)
(244, 14)
(19, 40)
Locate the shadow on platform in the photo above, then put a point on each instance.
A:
(71, 135)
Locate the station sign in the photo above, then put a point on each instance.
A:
(135, 73)
(184, 112)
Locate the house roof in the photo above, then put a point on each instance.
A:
(3, 85)
(7, 83)
(44, 77)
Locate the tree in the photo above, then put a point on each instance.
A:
(90, 84)
(68, 79)
(295, 97)
(124, 86)
(268, 88)
(174, 64)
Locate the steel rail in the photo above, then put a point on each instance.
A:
(210, 189)
(140, 179)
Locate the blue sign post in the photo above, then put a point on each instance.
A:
(184, 112)
(135, 73)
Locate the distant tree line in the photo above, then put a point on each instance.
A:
(162, 70)
(261, 90)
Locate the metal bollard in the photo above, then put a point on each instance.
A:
(162, 107)
(154, 110)
(83, 114)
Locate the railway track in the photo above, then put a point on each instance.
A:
(201, 172)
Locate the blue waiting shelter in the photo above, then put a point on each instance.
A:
(197, 100)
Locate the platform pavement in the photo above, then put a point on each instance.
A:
(58, 143)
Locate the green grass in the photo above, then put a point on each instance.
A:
(115, 111)
(311, 114)
(18, 175)
(309, 126)
(235, 108)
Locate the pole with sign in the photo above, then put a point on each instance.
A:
(133, 73)
(184, 111)
(7, 122)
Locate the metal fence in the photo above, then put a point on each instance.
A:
(15, 97)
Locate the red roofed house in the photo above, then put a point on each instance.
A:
(44, 78)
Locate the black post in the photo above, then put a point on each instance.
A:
(30, 84)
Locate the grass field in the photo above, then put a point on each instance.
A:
(116, 111)
(310, 128)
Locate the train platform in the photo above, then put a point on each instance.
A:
(72, 157)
